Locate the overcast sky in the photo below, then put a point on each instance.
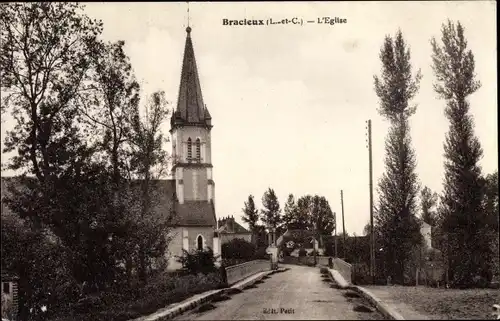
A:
(289, 103)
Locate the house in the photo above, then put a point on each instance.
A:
(297, 239)
(426, 231)
(9, 295)
(190, 195)
(229, 229)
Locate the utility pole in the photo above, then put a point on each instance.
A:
(343, 221)
(372, 234)
(336, 254)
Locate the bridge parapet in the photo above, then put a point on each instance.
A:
(238, 272)
(344, 268)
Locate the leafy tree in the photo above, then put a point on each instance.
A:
(463, 219)
(46, 62)
(491, 200)
(397, 225)
(428, 201)
(45, 59)
(367, 229)
(322, 217)
(148, 162)
(111, 98)
(251, 216)
(302, 218)
(271, 214)
(290, 212)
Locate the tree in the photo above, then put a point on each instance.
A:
(367, 229)
(251, 216)
(290, 212)
(149, 162)
(493, 219)
(428, 201)
(463, 215)
(271, 214)
(46, 62)
(45, 58)
(398, 187)
(112, 97)
(301, 219)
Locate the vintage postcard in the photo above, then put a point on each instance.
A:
(249, 160)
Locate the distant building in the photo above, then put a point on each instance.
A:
(426, 231)
(229, 229)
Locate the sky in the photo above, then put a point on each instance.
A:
(289, 103)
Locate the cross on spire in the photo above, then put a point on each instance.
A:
(188, 14)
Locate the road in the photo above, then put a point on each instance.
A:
(297, 294)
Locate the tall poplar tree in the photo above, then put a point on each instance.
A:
(396, 222)
(271, 214)
(428, 201)
(463, 218)
(251, 216)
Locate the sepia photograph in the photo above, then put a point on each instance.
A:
(301, 160)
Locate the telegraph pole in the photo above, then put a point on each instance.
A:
(336, 255)
(372, 234)
(343, 221)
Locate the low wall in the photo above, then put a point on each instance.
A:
(305, 260)
(344, 268)
(238, 272)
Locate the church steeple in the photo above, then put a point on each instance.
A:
(190, 107)
(191, 136)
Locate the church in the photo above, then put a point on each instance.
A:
(190, 127)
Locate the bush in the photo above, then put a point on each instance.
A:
(162, 290)
(195, 262)
(238, 249)
(261, 254)
(302, 252)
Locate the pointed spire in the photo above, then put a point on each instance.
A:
(190, 106)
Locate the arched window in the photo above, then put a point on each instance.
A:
(200, 242)
(190, 152)
(198, 150)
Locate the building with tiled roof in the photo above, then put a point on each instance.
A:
(229, 229)
(189, 196)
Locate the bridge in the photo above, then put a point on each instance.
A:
(299, 293)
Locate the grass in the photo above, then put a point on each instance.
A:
(441, 304)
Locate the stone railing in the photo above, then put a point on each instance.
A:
(238, 272)
(344, 268)
(305, 260)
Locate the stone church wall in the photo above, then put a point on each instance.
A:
(188, 241)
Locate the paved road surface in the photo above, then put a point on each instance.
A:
(297, 294)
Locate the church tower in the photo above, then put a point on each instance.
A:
(190, 129)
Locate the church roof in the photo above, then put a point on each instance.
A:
(190, 106)
(195, 213)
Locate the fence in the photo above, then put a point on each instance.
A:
(238, 272)
(344, 268)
